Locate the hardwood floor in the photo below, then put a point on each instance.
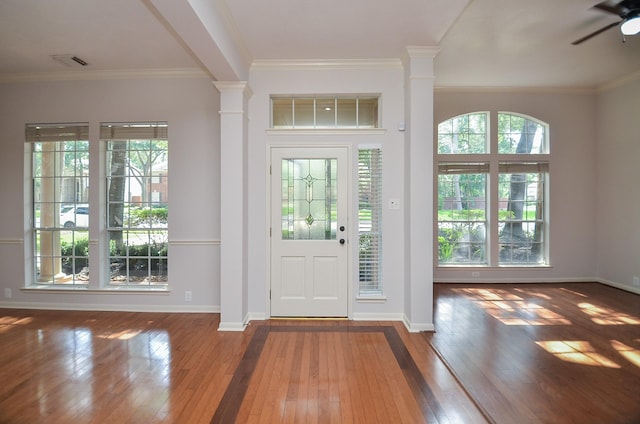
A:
(105, 367)
(546, 353)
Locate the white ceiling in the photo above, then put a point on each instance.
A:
(483, 43)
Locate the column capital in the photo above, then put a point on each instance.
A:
(418, 61)
(233, 86)
(422, 51)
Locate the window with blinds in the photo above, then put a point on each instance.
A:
(462, 213)
(370, 221)
(137, 202)
(493, 190)
(60, 193)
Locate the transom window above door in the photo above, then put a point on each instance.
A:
(313, 112)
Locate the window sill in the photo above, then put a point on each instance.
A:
(481, 267)
(330, 131)
(86, 290)
(371, 299)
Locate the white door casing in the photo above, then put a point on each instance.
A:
(309, 231)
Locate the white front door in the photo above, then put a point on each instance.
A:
(309, 243)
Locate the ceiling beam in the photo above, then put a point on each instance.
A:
(202, 26)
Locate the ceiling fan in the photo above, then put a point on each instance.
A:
(627, 10)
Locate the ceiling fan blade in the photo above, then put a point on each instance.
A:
(593, 34)
(617, 8)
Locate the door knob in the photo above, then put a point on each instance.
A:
(341, 241)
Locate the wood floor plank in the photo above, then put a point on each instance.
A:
(548, 353)
(98, 367)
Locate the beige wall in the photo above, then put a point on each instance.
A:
(571, 119)
(618, 185)
(190, 106)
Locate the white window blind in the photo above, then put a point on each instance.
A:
(463, 168)
(56, 132)
(370, 221)
(134, 131)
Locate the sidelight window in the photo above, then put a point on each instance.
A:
(370, 221)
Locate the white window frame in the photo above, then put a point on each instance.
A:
(498, 163)
(49, 265)
(317, 106)
(370, 233)
(141, 220)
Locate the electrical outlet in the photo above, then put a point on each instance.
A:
(636, 281)
(7, 293)
(394, 203)
(188, 296)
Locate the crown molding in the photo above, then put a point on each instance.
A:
(619, 82)
(510, 89)
(281, 64)
(115, 74)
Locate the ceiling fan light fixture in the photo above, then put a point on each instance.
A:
(631, 25)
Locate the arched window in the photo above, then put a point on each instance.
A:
(492, 190)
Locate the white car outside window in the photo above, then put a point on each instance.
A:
(76, 216)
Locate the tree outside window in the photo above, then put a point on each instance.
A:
(137, 203)
(492, 191)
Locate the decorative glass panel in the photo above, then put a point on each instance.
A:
(309, 199)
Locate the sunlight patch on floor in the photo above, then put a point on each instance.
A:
(629, 353)
(121, 335)
(511, 309)
(577, 352)
(8, 322)
(607, 316)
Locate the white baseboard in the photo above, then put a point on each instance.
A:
(256, 316)
(414, 327)
(111, 308)
(232, 326)
(620, 286)
(365, 316)
(511, 280)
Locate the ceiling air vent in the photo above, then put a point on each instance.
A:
(69, 60)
